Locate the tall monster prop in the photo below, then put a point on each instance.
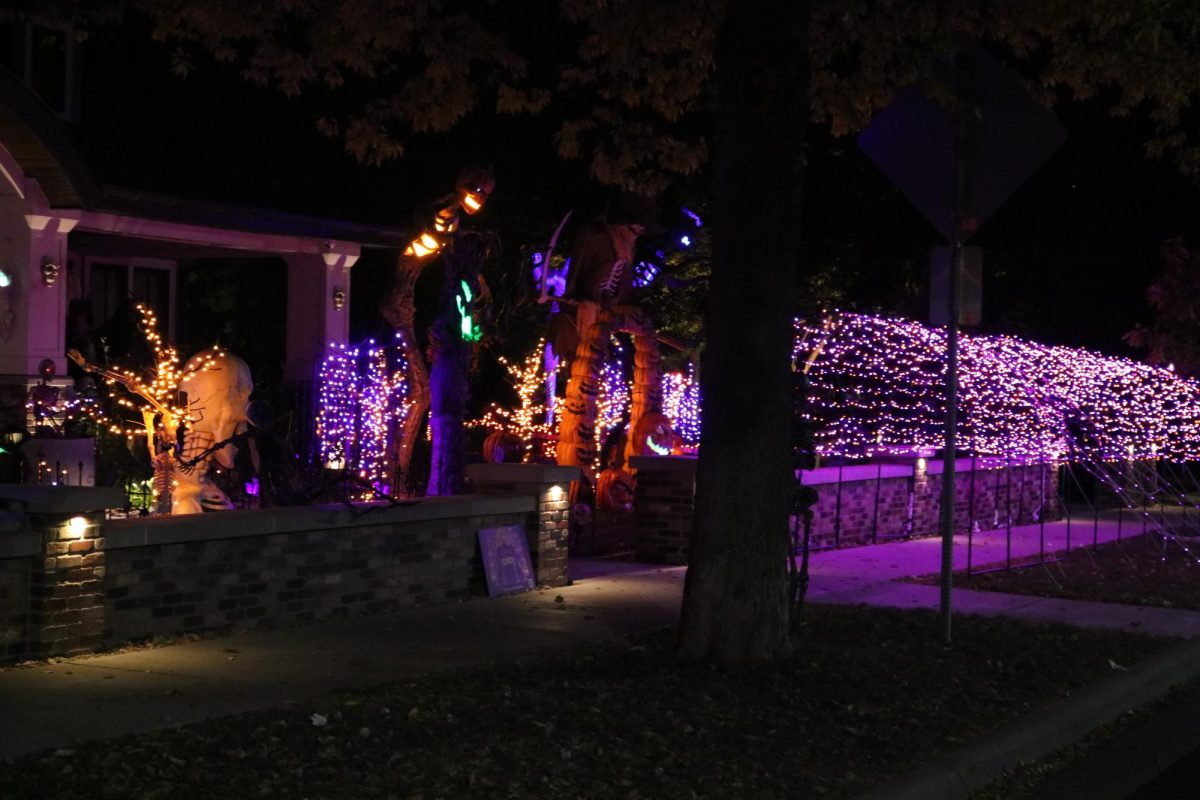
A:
(456, 325)
(600, 285)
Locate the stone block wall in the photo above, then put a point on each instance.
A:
(663, 502)
(16, 575)
(549, 532)
(857, 504)
(856, 520)
(67, 593)
(987, 496)
(72, 582)
(293, 577)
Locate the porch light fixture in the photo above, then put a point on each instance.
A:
(339, 298)
(50, 272)
(5, 279)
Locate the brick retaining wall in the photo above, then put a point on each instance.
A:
(172, 575)
(69, 588)
(872, 503)
(16, 574)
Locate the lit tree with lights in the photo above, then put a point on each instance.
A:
(152, 398)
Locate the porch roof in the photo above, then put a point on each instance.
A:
(40, 145)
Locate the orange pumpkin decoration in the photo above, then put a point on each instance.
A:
(652, 435)
(501, 447)
(614, 490)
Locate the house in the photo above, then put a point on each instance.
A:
(70, 241)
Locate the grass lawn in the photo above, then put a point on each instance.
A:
(871, 693)
(1142, 570)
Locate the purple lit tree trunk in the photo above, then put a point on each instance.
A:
(450, 356)
(448, 393)
(735, 605)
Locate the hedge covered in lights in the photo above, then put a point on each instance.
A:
(879, 384)
(363, 400)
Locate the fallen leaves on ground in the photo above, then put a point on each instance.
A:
(870, 693)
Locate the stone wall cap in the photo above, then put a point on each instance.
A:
(851, 474)
(522, 473)
(45, 499)
(141, 531)
(664, 463)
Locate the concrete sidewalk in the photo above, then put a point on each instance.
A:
(871, 575)
(66, 702)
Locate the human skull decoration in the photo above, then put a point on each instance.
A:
(216, 393)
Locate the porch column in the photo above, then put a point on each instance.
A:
(46, 279)
(318, 309)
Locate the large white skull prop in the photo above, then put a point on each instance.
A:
(216, 397)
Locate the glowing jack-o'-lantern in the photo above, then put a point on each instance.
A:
(217, 398)
(474, 187)
(652, 436)
(424, 245)
(614, 490)
(502, 447)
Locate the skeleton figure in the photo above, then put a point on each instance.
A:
(600, 286)
(216, 399)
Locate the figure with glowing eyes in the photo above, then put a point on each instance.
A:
(438, 237)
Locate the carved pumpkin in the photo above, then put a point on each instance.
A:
(614, 490)
(652, 435)
(501, 447)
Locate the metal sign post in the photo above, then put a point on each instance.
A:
(957, 172)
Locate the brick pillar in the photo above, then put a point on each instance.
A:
(67, 593)
(550, 526)
(663, 505)
(66, 603)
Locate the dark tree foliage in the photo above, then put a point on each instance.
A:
(1174, 336)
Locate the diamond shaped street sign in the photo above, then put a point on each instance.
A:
(912, 141)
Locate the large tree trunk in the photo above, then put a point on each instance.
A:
(735, 599)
